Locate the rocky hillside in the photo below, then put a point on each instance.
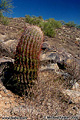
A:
(57, 91)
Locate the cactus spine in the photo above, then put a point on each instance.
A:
(27, 56)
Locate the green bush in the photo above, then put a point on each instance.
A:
(47, 26)
(33, 20)
(48, 29)
(70, 24)
(27, 18)
(1, 15)
(55, 24)
(5, 21)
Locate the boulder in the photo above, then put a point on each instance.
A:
(49, 56)
(45, 46)
(2, 37)
(61, 59)
(49, 61)
(4, 51)
(11, 45)
(53, 67)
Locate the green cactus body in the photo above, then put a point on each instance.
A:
(27, 55)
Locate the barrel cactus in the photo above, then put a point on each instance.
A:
(27, 56)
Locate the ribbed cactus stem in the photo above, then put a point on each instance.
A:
(27, 55)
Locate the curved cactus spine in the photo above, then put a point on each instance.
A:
(27, 55)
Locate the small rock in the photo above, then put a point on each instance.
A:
(77, 38)
(53, 56)
(9, 95)
(42, 57)
(76, 87)
(5, 91)
(49, 56)
(2, 37)
(69, 61)
(11, 45)
(49, 67)
(0, 96)
(3, 49)
(63, 27)
(3, 88)
(45, 46)
(74, 108)
(0, 85)
(4, 60)
(16, 110)
(1, 40)
(55, 66)
(70, 102)
(5, 103)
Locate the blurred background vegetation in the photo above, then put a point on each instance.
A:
(48, 26)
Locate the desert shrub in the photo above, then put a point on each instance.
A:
(70, 24)
(36, 21)
(41, 24)
(5, 21)
(1, 15)
(48, 29)
(33, 20)
(55, 24)
(47, 26)
(27, 18)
